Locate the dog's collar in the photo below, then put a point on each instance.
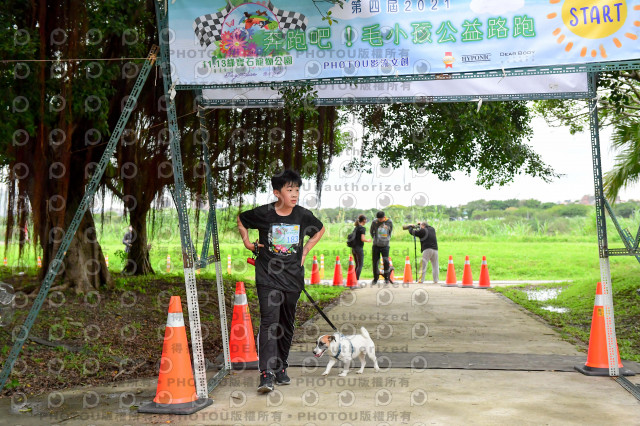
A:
(340, 347)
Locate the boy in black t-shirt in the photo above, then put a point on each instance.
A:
(282, 227)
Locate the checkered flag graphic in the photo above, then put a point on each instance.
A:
(208, 28)
(289, 20)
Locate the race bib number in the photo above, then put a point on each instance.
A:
(284, 238)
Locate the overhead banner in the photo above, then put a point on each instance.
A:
(217, 42)
(551, 86)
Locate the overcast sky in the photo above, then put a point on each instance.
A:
(570, 155)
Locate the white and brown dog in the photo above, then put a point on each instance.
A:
(345, 349)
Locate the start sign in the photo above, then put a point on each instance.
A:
(589, 20)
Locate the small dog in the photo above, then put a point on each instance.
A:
(345, 349)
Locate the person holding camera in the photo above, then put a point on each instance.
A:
(381, 229)
(429, 247)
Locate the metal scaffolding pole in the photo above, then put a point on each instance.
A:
(188, 254)
(601, 224)
(212, 233)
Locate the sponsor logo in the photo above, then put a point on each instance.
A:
(518, 56)
(448, 60)
(519, 53)
(476, 57)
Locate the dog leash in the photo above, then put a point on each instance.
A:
(252, 261)
(319, 310)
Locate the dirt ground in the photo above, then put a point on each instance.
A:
(111, 336)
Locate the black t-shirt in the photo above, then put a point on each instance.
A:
(278, 262)
(427, 237)
(360, 231)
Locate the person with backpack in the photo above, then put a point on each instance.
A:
(381, 230)
(356, 240)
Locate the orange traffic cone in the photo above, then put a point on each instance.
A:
(315, 272)
(484, 281)
(176, 391)
(452, 281)
(39, 262)
(337, 273)
(597, 359)
(106, 260)
(391, 276)
(5, 262)
(467, 277)
(242, 344)
(408, 276)
(168, 263)
(352, 281)
(321, 267)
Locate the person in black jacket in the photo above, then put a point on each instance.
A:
(128, 239)
(358, 244)
(429, 246)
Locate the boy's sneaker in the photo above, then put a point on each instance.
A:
(282, 378)
(266, 382)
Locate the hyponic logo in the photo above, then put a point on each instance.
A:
(477, 57)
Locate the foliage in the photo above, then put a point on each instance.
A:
(246, 146)
(628, 209)
(120, 254)
(569, 210)
(626, 169)
(445, 138)
(328, 16)
(70, 100)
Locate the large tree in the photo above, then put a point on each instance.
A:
(245, 149)
(63, 108)
(619, 108)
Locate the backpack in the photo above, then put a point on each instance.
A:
(351, 238)
(382, 233)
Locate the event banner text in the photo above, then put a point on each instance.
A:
(221, 42)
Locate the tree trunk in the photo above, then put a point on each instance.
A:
(84, 267)
(138, 262)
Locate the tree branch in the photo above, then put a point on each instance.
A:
(114, 190)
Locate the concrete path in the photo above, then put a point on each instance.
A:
(449, 356)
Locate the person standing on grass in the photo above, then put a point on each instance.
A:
(282, 227)
(358, 244)
(381, 229)
(429, 246)
(128, 239)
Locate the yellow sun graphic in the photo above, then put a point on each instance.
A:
(598, 20)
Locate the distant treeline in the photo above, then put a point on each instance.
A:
(479, 210)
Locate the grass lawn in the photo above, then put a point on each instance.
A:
(513, 253)
(578, 298)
